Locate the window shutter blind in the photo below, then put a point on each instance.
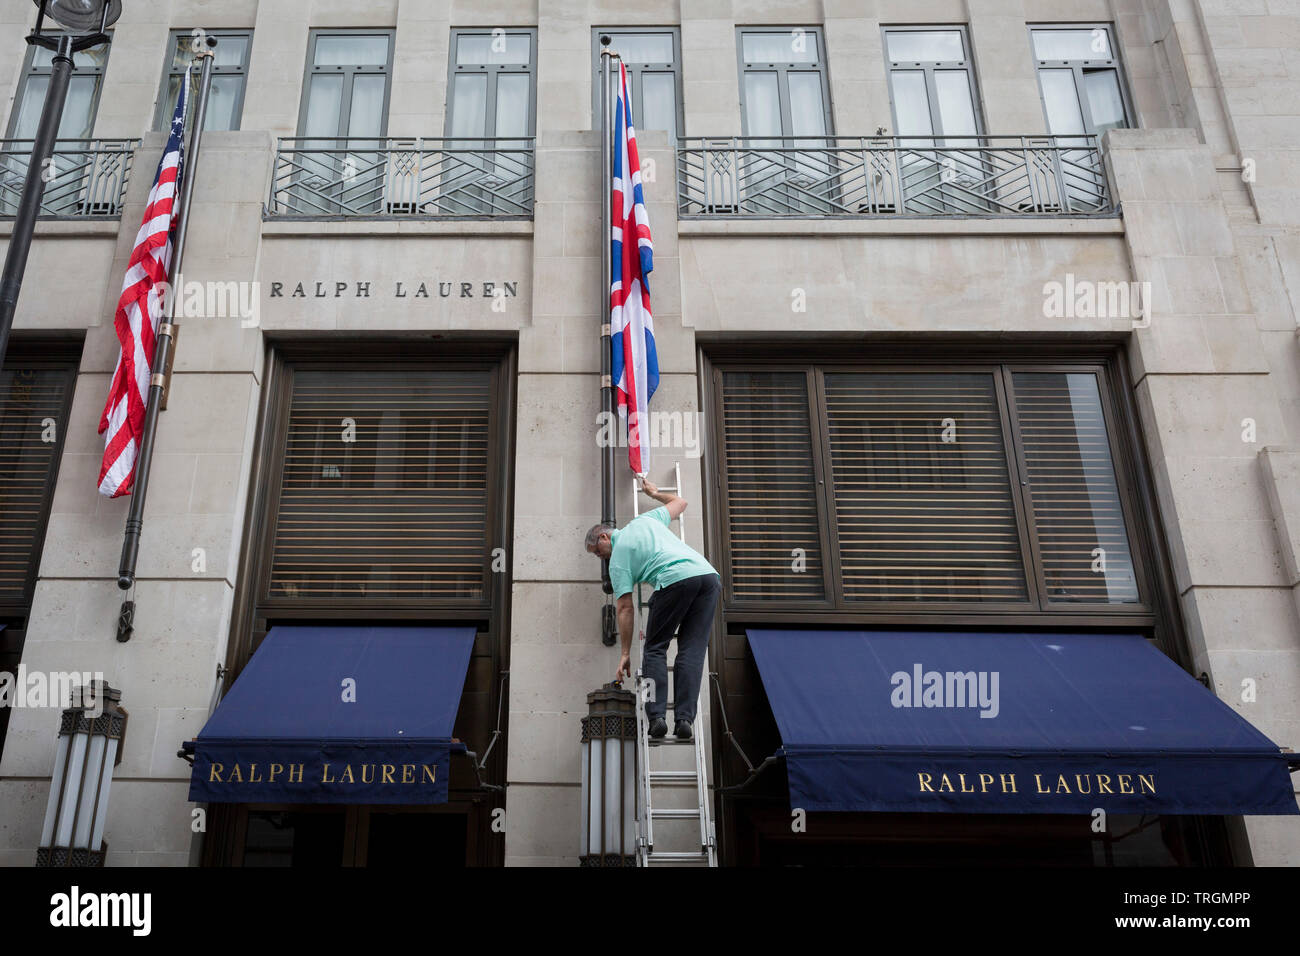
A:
(28, 468)
(771, 488)
(401, 510)
(1072, 488)
(922, 496)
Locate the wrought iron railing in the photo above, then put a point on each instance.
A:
(977, 176)
(86, 178)
(378, 178)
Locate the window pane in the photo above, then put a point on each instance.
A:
(911, 103)
(92, 59)
(78, 120)
(771, 488)
(1104, 100)
(512, 105)
(922, 493)
(1072, 488)
(335, 50)
(956, 107)
(939, 46)
(807, 113)
(324, 105)
(29, 110)
(510, 48)
(659, 103)
(221, 102)
(791, 46)
(1061, 101)
(643, 47)
(229, 51)
(367, 110)
(401, 511)
(1086, 44)
(469, 105)
(762, 105)
(312, 839)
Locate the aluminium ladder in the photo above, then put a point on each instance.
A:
(649, 782)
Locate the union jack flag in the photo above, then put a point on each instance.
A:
(138, 311)
(635, 365)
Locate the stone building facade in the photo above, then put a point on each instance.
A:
(1199, 202)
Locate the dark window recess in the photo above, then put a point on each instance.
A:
(923, 503)
(384, 492)
(1077, 511)
(773, 535)
(32, 419)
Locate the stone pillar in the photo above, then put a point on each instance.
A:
(710, 72)
(193, 524)
(1209, 400)
(556, 650)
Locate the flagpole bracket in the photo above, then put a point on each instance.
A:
(606, 381)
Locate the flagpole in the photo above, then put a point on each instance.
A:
(163, 348)
(606, 359)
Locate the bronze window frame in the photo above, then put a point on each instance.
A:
(1038, 609)
(1217, 840)
(252, 617)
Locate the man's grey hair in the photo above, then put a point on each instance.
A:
(595, 532)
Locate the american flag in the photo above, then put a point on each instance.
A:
(635, 365)
(138, 311)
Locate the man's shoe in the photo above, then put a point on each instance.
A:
(683, 730)
(658, 728)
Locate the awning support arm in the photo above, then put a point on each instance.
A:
(481, 765)
(727, 735)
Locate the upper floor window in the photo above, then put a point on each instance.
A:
(346, 92)
(78, 120)
(653, 61)
(931, 81)
(1080, 79)
(856, 487)
(783, 88)
(229, 74)
(492, 89)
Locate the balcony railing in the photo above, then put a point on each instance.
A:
(380, 178)
(972, 176)
(86, 178)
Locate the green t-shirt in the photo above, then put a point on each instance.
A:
(645, 550)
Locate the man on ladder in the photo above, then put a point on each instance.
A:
(686, 593)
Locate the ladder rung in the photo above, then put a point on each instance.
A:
(700, 858)
(673, 776)
(674, 814)
(671, 741)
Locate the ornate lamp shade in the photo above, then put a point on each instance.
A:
(609, 779)
(89, 746)
(82, 14)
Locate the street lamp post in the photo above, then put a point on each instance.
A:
(75, 15)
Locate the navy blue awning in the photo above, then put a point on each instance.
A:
(337, 715)
(1058, 723)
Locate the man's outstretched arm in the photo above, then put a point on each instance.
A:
(625, 636)
(672, 502)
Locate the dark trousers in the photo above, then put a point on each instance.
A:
(685, 609)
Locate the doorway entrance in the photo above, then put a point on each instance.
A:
(375, 837)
